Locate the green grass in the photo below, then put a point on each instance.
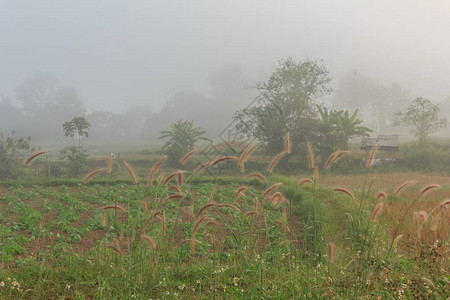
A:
(54, 245)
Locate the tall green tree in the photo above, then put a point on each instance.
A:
(424, 116)
(182, 138)
(77, 126)
(286, 102)
(76, 155)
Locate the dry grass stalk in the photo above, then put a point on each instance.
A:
(174, 187)
(229, 206)
(149, 240)
(212, 223)
(211, 197)
(130, 170)
(109, 163)
(350, 217)
(239, 192)
(160, 178)
(331, 249)
(187, 156)
(202, 209)
(257, 175)
(397, 239)
(256, 203)
(435, 223)
(428, 188)
(275, 161)
(113, 207)
(103, 222)
(303, 181)
(287, 143)
(381, 195)
(316, 175)
(170, 177)
(271, 189)
(202, 166)
(197, 224)
(33, 156)
(402, 186)
(345, 191)
(372, 156)
(445, 204)
(92, 174)
(174, 196)
(310, 155)
(376, 211)
(155, 169)
(114, 247)
(224, 158)
(251, 213)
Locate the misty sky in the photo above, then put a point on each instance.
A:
(118, 53)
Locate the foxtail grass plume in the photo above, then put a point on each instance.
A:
(381, 195)
(402, 186)
(275, 161)
(303, 181)
(376, 211)
(130, 170)
(345, 191)
(155, 169)
(372, 156)
(245, 155)
(271, 189)
(287, 143)
(428, 188)
(203, 208)
(109, 164)
(201, 167)
(113, 207)
(228, 206)
(149, 240)
(331, 249)
(310, 155)
(169, 178)
(33, 156)
(224, 158)
(257, 175)
(187, 156)
(92, 174)
(397, 239)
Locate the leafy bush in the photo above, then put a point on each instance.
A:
(427, 158)
(12, 153)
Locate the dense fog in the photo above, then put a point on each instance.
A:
(132, 67)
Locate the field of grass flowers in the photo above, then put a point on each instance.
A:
(224, 237)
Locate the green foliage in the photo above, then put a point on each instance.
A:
(12, 154)
(76, 158)
(337, 127)
(424, 116)
(182, 139)
(286, 104)
(426, 158)
(78, 126)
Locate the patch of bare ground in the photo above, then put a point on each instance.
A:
(88, 241)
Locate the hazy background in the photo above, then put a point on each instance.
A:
(133, 66)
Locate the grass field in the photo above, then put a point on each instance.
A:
(226, 238)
